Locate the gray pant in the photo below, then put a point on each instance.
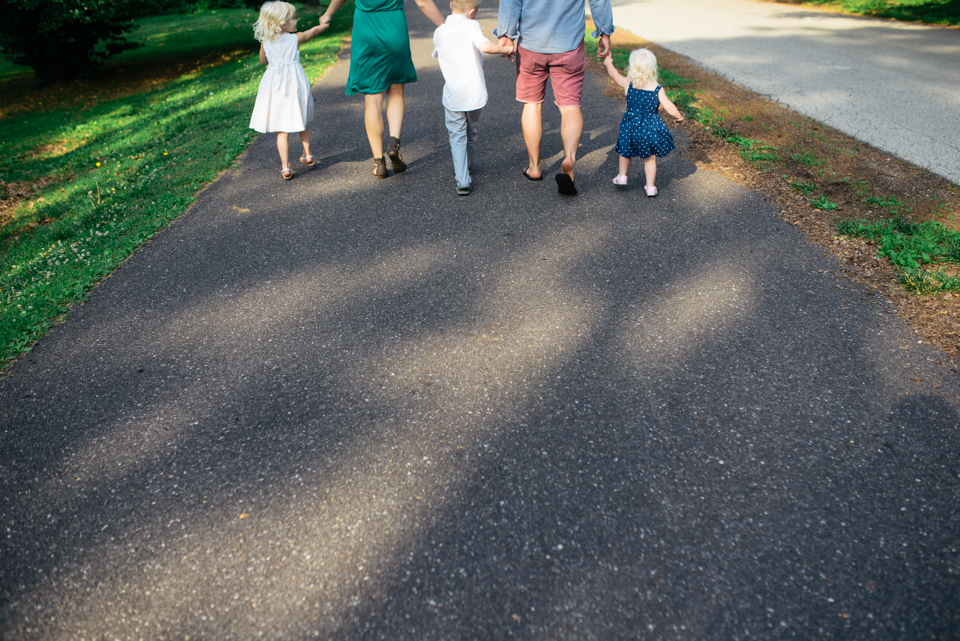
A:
(462, 127)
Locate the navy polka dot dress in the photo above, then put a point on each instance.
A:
(642, 132)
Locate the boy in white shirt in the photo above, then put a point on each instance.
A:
(459, 44)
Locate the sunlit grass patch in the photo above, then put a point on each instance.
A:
(88, 186)
(946, 12)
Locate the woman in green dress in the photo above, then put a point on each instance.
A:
(380, 64)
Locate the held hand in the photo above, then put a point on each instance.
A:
(603, 47)
(507, 43)
(324, 20)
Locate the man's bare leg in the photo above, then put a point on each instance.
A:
(532, 126)
(571, 129)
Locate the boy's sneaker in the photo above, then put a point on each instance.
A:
(620, 181)
(463, 191)
(651, 191)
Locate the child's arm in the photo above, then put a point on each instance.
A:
(614, 74)
(492, 47)
(669, 106)
(263, 56)
(310, 34)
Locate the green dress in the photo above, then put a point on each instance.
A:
(380, 48)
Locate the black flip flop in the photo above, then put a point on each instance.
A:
(565, 185)
(529, 177)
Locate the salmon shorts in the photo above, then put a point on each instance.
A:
(565, 71)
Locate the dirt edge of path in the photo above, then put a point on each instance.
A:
(845, 171)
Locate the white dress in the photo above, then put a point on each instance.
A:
(284, 102)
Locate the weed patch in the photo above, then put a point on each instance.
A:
(807, 159)
(912, 246)
(822, 203)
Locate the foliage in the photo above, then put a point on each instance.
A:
(821, 202)
(65, 38)
(111, 175)
(807, 159)
(169, 7)
(910, 246)
(945, 12)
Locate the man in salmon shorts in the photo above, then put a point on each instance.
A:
(550, 45)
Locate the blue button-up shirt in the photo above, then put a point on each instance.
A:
(551, 26)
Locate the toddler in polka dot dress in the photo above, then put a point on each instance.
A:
(642, 132)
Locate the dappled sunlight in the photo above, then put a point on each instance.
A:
(658, 335)
(525, 336)
(357, 513)
(589, 164)
(278, 302)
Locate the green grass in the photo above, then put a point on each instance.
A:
(804, 187)
(910, 247)
(753, 150)
(821, 202)
(175, 36)
(108, 177)
(945, 12)
(807, 159)
(892, 204)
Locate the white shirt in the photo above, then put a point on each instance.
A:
(455, 45)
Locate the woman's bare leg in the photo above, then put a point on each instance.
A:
(395, 109)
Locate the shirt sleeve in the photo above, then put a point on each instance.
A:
(476, 35)
(508, 18)
(602, 15)
(435, 44)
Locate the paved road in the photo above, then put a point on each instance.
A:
(343, 408)
(893, 85)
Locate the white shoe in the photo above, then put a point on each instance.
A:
(620, 181)
(651, 191)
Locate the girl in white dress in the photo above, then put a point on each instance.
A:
(284, 102)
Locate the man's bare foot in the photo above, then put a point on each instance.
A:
(567, 167)
(533, 173)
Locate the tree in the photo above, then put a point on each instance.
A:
(62, 39)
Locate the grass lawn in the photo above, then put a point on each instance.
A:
(945, 12)
(91, 170)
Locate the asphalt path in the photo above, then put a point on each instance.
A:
(893, 85)
(344, 408)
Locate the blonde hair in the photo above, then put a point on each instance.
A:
(462, 6)
(273, 15)
(643, 68)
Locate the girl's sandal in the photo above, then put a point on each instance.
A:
(396, 160)
(307, 160)
(379, 168)
(287, 174)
